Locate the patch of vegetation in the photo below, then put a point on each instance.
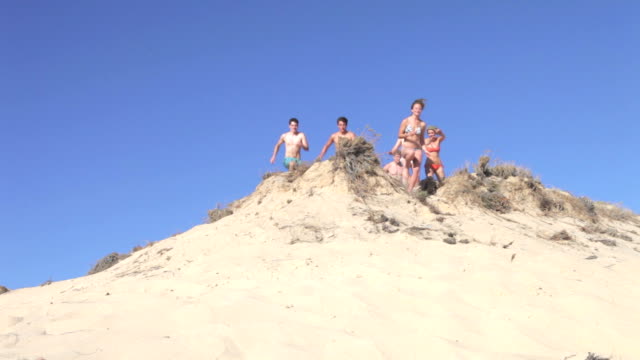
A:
(495, 201)
(357, 158)
(377, 217)
(107, 262)
(298, 171)
(3, 289)
(140, 247)
(269, 174)
(562, 235)
(481, 168)
(615, 212)
(502, 170)
(606, 242)
(592, 356)
(594, 229)
(429, 185)
(218, 213)
(548, 204)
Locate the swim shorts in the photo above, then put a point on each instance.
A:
(288, 160)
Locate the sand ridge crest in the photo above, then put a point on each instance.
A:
(304, 268)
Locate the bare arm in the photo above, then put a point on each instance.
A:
(325, 148)
(442, 135)
(387, 167)
(305, 144)
(403, 126)
(276, 148)
(422, 131)
(395, 147)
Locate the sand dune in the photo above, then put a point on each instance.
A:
(304, 269)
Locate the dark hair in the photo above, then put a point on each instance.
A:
(293, 120)
(421, 102)
(344, 119)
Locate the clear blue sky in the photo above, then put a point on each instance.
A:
(123, 122)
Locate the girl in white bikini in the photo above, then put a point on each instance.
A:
(412, 131)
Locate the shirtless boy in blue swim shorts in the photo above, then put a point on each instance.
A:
(293, 142)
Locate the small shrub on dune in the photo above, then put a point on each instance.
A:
(218, 213)
(592, 356)
(595, 229)
(500, 169)
(562, 235)
(495, 201)
(269, 174)
(357, 158)
(140, 247)
(481, 168)
(615, 212)
(547, 204)
(506, 170)
(107, 262)
(429, 185)
(298, 171)
(581, 207)
(461, 185)
(3, 289)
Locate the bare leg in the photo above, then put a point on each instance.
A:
(440, 174)
(415, 177)
(427, 167)
(408, 160)
(292, 165)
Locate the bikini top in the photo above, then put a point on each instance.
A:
(433, 149)
(409, 129)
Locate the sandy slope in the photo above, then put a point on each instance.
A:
(302, 271)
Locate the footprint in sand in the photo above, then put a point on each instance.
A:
(11, 320)
(8, 340)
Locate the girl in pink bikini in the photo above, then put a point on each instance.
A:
(412, 131)
(432, 147)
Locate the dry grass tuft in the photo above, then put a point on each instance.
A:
(140, 247)
(562, 235)
(548, 204)
(107, 262)
(218, 213)
(507, 170)
(594, 229)
(615, 212)
(269, 174)
(495, 201)
(370, 135)
(592, 356)
(500, 169)
(481, 168)
(298, 171)
(497, 185)
(3, 289)
(357, 158)
(429, 185)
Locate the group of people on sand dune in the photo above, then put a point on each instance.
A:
(414, 137)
